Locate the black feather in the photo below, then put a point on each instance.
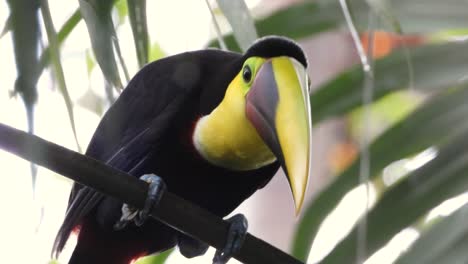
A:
(275, 46)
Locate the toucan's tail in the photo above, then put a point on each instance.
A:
(97, 251)
(97, 246)
(95, 257)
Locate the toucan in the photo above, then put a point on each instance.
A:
(213, 126)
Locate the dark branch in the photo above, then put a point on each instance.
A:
(172, 210)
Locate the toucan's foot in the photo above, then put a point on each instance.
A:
(156, 189)
(236, 236)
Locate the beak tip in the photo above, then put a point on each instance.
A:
(297, 212)
(298, 206)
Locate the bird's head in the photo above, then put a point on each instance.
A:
(265, 114)
(275, 83)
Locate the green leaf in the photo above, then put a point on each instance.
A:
(440, 240)
(242, 24)
(115, 41)
(433, 66)
(122, 11)
(385, 112)
(156, 259)
(385, 11)
(217, 28)
(439, 179)
(24, 26)
(137, 14)
(63, 33)
(24, 23)
(311, 17)
(448, 35)
(419, 131)
(55, 57)
(298, 21)
(456, 254)
(419, 16)
(156, 52)
(6, 27)
(90, 62)
(69, 25)
(97, 15)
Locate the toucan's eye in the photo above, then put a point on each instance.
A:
(247, 74)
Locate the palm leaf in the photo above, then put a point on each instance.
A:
(419, 131)
(137, 15)
(443, 240)
(441, 178)
(97, 15)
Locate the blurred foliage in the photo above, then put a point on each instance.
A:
(97, 15)
(157, 259)
(24, 25)
(62, 34)
(418, 131)
(441, 243)
(440, 179)
(137, 15)
(432, 67)
(430, 59)
(156, 52)
(384, 113)
(241, 22)
(54, 53)
(6, 27)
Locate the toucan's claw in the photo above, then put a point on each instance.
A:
(156, 189)
(235, 239)
(128, 214)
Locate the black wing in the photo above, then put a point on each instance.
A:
(136, 122)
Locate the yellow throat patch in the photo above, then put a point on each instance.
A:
(226, 137)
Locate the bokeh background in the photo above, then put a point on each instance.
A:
(389, 102)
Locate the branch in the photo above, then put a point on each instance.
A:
(172, 210)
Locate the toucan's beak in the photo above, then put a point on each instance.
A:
(278, 106)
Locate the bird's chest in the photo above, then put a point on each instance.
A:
(215, 188)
